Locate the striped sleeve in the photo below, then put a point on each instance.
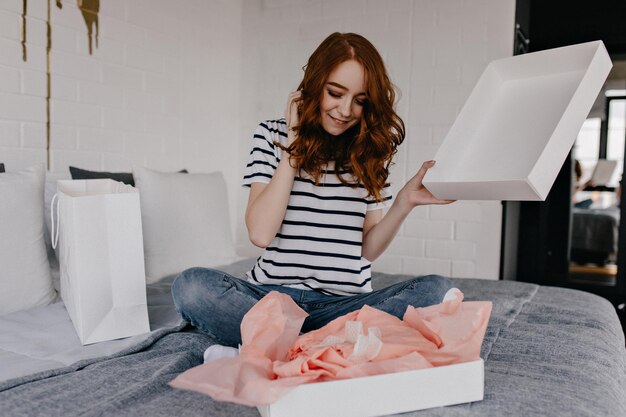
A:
(387, 198)
(264, 155)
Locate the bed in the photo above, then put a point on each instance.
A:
(547, 351)
(595, 235)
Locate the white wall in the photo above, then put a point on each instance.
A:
(162, 89)
(183, 84)
(435, 51)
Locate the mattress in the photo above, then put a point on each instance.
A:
(547, 351)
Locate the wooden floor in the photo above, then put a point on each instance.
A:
(593, 274)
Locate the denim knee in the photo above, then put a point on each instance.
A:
(421, 291)
(438, 285)
(427, 290)
(213, 302)
(438, 281)
(190, 287)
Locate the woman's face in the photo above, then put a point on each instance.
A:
(343, 98)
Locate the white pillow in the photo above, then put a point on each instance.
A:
(185, 221)
(25, 272)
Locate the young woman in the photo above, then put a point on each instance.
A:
(318, 185)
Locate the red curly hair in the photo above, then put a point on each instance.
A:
(367, 148)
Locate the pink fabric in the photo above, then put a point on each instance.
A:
(274, 360)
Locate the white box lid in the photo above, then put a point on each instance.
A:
(519, 123)
(381, 395)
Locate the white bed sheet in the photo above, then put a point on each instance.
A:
(43, 338)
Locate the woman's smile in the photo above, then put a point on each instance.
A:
(340, 122)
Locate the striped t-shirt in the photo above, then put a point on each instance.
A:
(318, 245)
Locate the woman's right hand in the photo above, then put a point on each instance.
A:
(291, 115)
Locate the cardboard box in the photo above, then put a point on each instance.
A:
(383, 394)
(518, 125)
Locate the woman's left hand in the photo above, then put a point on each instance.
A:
(380, 232)
(415, 194)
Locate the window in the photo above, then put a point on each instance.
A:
(604, 140)
(616, 134)
(587, 146)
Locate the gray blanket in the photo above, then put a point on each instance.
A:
(547, 351)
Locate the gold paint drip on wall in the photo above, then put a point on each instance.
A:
(24, 6)
(48, 83)
(89, 9)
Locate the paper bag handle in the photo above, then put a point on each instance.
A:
(54, 237)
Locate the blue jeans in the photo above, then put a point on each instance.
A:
(216, 302)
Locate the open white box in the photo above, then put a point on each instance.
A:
(519, 123)
(383, 394)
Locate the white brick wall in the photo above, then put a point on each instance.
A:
(151, 94)
(183, 84)
(435, 51)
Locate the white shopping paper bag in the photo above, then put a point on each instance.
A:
(100, 242)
